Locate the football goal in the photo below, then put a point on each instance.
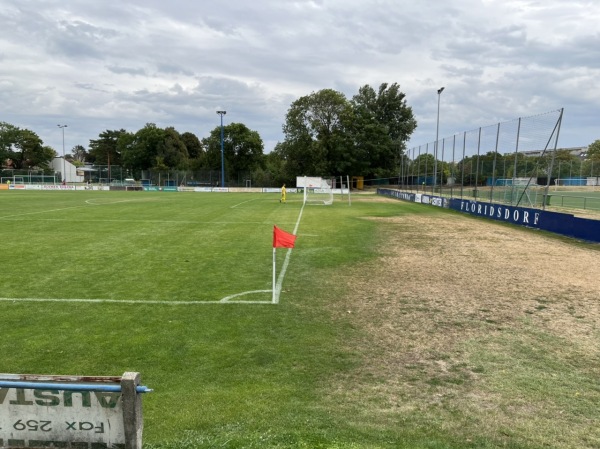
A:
(570, 182)
(316, 190)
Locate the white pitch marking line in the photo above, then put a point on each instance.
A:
(154, 221)
(286, 263)
(131, 301)
(244, 202)
(230, 297)
(62, 208)
(41, 212)
(107, 203)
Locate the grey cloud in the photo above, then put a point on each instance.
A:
(119, 70)
(174, 63)
(173, 69)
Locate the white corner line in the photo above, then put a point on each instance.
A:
(228, 299)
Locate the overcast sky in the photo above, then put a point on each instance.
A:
(96, 65)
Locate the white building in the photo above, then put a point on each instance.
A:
(68, 171)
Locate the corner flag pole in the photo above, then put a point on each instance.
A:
(281, 239)
(274, 262)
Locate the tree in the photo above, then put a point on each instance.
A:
(141, 150)
(105, 150)
(593, 151)
(9, 135)
(194, 148)
(247, 149)
(563, 164)
(78, 155)
(242, 150)
(591, 165)
(153, 148)
(423, 164)
(24, 148)
(492, 165)
(175, 153)
(384, 123)
(325, 134)
(317, 138)
(274, 172)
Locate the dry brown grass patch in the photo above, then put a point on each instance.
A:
(444, 284)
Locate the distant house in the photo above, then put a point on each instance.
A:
(575, 151)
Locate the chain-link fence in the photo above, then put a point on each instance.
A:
(116, 175)
(511, 162)
(15, 176)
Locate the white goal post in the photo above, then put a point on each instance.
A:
(316, 190)
(575, 183)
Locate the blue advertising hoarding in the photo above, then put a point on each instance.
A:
(559, 223)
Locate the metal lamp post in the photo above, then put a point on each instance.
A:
(64, 163)
(437, 131)
(222, 113)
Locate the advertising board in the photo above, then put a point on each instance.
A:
(70, 411)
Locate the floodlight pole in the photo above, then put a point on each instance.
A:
(64, 175)
(437, 131)
(222, 113)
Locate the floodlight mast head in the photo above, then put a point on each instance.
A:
(440, 90)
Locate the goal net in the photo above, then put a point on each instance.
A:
(316, 190)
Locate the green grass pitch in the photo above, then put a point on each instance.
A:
(139, 246)
(99, 283)
(245, 373)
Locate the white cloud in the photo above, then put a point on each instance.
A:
(106, 65)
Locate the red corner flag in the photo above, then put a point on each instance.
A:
(282, 239)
